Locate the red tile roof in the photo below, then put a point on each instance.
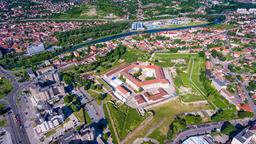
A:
(160, 78)
(122, 90)
(245, 107)
(157, 96)
(139, 99)
(111, 72)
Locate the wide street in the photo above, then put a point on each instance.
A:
(18, 133)
(204, 129)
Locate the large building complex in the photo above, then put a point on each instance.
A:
(140, 84)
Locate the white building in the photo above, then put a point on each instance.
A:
(137, 26)
(35, 49)
(205, 139)
(246, 136)
(48, 125)
(5, 137)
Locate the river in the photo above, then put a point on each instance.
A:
(117, 36)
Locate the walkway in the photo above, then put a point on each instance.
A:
(112, 122)
(141, 126)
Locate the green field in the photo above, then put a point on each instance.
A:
(125, 118)
(5, 87)
(164, 115)
(95, 94)
(188, 75)
(82, 115)
(99, 9)
(104, 84)
(186, 80)
(3, 123)
(133, 55)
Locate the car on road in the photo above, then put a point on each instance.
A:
(18, 120)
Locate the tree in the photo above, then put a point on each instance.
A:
(74, 108)
(252, 85)
(68, 99)
(173, 50)
(105, 136)
(68, 79)
(244, 114)
(176, 126)
(223, 115)
(2, 109)
(227, 128)
(201, 54)
(193, 119)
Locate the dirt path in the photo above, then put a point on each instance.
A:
(142, 125)
(151, 130)
(114, 128)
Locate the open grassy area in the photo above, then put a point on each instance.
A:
(133, 55)
(104, 84)
(82, 12)
(111, 127)
(125, 118)
(95, 94)
(53, 131)
(187, 75)
(166, 113)
(82, 115)
(5, 87)
(223, 26)
(187, 78)
(182, 25)
(3, 123)
(49, 133)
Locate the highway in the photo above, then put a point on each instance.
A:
(19, 135)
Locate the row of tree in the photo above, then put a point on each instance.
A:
(180, 124)
(80, 35)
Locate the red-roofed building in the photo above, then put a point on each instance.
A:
(208, 65)
(139, 99)
(245, 107)
(136, 84)
(156, 96)
(122, 91)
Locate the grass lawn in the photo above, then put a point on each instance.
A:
(111, 127)
(95, 95)
(82, 115)
(104, 84)
(181, 25)
(49, 133)
(223, 26)
(5, 87)
(187, 74)
(53, 131)
(3, 123)
(125, 118)
(167, 56)
(133, 55)
(166, 112)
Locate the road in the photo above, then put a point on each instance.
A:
(250, 101)
(196, 131)
(93, 109)
(19, 135)
(203, 129)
